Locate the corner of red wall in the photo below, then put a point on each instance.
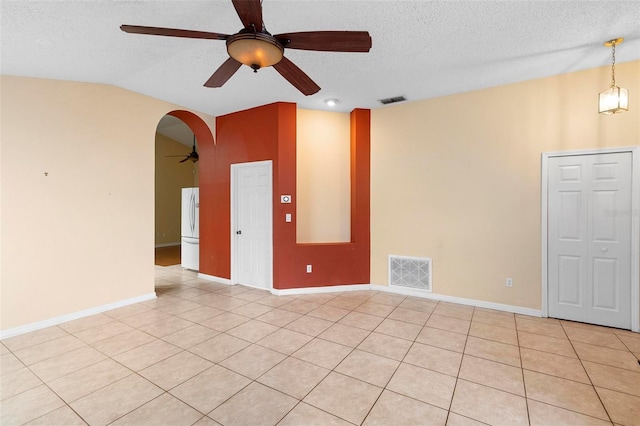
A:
(269, 133)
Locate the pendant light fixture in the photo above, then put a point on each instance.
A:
(615, 99)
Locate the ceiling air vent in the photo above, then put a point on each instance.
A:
(392, 100)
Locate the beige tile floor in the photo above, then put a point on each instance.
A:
(207, 354)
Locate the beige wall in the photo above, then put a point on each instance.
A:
(457, 178)
(170, 177)
(81, 236)
(323, 177)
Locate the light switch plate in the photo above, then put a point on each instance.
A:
(285, 199)
(287, 217)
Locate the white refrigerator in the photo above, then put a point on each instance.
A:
(190, 233)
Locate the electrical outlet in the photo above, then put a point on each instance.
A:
(509, 282)
(308, 269)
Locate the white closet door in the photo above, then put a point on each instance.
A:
(589, 238)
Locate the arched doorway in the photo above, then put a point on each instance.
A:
(176, 168)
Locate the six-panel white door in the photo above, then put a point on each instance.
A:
(589, 238)
(252, 233)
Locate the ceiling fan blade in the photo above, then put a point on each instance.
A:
(250, 12)
(181, 155)
(182, 161)
(327, 41)
(297, 77)
(172, 32)
(223, 73)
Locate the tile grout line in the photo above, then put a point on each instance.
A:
(455, 386)
(287, 356)
(132, 372)
(234, 295)
(300, 401)
(337, 365)
(588, 376)
(524, 383)
(398, 366)
(423, 328)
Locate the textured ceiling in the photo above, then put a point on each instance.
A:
(421, 49)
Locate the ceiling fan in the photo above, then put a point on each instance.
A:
(193, 155)
(255, 47)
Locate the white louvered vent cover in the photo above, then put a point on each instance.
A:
(411, 272)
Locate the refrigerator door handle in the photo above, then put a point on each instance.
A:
(192, 219)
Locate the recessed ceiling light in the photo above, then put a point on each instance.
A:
(331, 102)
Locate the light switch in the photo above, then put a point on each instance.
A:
(287, 217)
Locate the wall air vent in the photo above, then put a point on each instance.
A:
(392, 100)
(410, 272)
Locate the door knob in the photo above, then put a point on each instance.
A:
(239, 232)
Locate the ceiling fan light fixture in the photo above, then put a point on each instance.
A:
(256, 50)
(615, 99)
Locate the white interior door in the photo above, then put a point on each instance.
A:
(252, 224)
(589, 238)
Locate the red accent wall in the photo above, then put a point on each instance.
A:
(269, 133)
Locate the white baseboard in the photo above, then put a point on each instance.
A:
(316, 290)
(168, 244)
(459, 300)
(411, 292)
(214, 278)
(4, 334)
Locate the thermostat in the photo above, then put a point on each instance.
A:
(285, 199)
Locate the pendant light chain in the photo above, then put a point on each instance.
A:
(613, 64)
(615, 99)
